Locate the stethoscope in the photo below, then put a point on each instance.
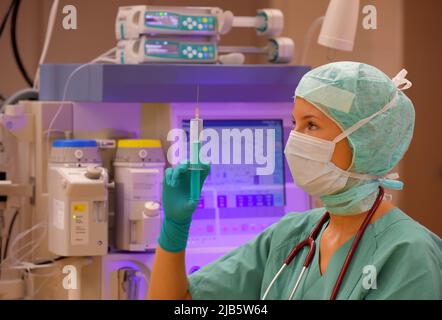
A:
(310, 242)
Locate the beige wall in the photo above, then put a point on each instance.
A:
(423, 162)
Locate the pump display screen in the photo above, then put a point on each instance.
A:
(161, 19)
(161, 48)
(164, 48)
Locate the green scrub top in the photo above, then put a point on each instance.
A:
(397, 258)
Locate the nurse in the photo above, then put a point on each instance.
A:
(352, 125)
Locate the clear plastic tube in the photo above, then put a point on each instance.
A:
(248, 21)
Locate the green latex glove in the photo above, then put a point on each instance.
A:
(178, 208)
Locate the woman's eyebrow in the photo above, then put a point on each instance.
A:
(308, 116)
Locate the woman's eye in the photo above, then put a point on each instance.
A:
(312, 126)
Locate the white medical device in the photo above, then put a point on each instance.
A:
(77, 186)
(196, 50)
(153, 34)
(134, 21)
(139, 167)
(166, 49)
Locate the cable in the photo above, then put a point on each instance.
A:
(34, 245)
(48, 36)
(48, 277)
(107, 54)
(105, 59)
(24, 94)
(65, 91)
(13, 256)
(50, 261)
(5, 18)
(11, 226)
(62, 103)
(1, 236)
(331, 54)
(14, 44)
(308, 38)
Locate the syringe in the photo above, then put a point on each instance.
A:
(196, 127)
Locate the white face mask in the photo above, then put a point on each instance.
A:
(309, 160)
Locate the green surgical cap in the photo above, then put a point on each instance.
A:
(351, 91)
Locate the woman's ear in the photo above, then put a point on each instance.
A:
(343, 155)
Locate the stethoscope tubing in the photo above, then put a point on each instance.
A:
(355, 243)
(311, 243)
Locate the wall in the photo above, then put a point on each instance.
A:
(423, 162)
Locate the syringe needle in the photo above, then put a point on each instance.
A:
(197, 107)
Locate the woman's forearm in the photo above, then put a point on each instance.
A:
(168, 278)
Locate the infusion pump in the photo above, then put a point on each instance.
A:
(160, 34)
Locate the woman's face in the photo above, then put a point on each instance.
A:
(311, 121)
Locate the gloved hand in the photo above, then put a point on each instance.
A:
(178, 208)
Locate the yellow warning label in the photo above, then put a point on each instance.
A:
(79, 207)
